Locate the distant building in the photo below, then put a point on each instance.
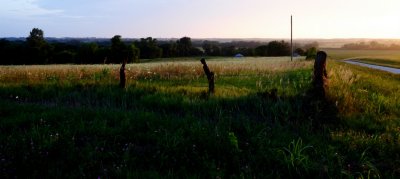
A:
(239, 55)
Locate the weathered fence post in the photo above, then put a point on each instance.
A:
(319, 75)
(210, 76)
(122, 78)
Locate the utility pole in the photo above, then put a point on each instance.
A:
(291, 38)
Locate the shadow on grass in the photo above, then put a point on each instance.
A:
(91, 131)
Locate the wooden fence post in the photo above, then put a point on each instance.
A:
(122, 78)
(210, 76)
(319, 74)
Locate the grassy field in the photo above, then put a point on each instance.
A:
(394, 63)
(339, 54)
(72, 121)
(388, 58)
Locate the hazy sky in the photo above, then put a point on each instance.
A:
(202, 18)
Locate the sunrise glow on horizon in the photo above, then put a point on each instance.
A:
(202, 19)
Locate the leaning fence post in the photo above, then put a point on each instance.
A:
(122, 78)
(210, 76)
(319, 74)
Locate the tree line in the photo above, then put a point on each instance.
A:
(36, 50)
(372, 45)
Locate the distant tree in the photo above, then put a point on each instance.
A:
(103, 54)
(261, 50)
(300, 51)
(394, 47)
(372, 45)
(376, 46)
(37, 47)
(88, 54)
(211, 48)
(194, 51)
(216, 50)
(63, 52)
(169, 49)
(228, 51)
(6, 52)
(62, 57)
(246, 51)
(117, 50)
(36, 38)
(149, 48)
(278, 48)
(207, 47)
(14, 53)
(184, 46)
(121, 52)
(311, 53)
(133, 53)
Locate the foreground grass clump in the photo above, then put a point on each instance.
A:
(74, 121)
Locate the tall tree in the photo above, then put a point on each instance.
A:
(149, 48)
(261, 50)
(36, 38)
(228, 51)
(278, 48)
(133, 53)
(169, 49)
(211, 48)
(87, 54)
(121, 52)
(38, 48)
(184, 46)
(117, 50)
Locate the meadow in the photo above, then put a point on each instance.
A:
(73, 121)
(387, 58)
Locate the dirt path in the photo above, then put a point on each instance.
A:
(388, 69)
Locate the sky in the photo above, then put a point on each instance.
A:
(202, 18)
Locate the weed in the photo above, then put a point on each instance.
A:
(295, 156)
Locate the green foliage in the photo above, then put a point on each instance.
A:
(133, 53)
(121, 52)
(38, 49)
(118, 50)
(88, 53)
(262, 50)
(295, 156)
(36, 38)
(169, 49)
(184, 46)
(77, 51)
(211, 48)
(233, 140)
(311, 53)
(274, 48)
(149, 48)
(278, 48)
(300, 51)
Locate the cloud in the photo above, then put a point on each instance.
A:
(24, 9)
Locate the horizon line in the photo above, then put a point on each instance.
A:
(301, 38)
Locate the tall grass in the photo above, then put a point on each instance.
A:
(74, 121)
